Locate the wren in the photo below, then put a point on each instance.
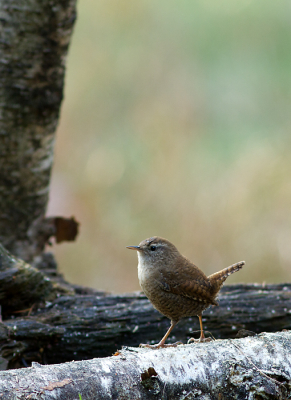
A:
(174, 285)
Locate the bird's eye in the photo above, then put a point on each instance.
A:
(153, 248)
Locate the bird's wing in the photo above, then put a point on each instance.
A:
(191, 283)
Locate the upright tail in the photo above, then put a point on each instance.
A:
(218, 278)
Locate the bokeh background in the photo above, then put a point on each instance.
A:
(176, 122)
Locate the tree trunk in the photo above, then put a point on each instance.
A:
(256, 368)
(49, 321)
(34, 42)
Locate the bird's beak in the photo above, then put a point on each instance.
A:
(134, 248)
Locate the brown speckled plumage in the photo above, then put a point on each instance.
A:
(174, 285)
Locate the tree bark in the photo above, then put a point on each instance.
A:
(91, 324)
(35, 36)
(256, 368)
(48, 321)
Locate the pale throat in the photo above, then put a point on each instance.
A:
(144, 269)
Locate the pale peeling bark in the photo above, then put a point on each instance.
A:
(34, 41)
(249, 368)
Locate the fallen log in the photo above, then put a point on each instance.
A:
(250, 368)
(84, 326)
(49, 321)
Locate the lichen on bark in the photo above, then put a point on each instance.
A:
(34, 43)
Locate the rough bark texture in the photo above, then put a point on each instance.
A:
(47, 321)
(249, 368)
(34, 41)
(20, 284)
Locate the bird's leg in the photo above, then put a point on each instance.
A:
(162, 342)
(202, 337)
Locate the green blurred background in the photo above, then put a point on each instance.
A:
(176, 122)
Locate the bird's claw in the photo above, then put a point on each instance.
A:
(159, 345)
(201, 340)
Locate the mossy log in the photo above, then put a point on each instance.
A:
(83, 326)
(64, 323)
(48, 321)
(21, 285)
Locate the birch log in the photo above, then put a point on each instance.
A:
(248, 368)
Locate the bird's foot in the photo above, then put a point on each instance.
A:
(160, 345)
(201, 340)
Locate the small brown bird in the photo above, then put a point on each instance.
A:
(174, 285)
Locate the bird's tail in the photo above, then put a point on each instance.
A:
(218, 278)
